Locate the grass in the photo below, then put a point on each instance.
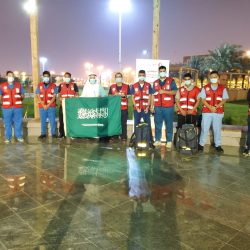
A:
(235, 112)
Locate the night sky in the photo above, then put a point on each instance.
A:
(75, 31)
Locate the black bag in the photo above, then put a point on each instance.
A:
(141, 139)
(187, 139)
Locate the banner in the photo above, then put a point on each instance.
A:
(92, 117)
(151, 67)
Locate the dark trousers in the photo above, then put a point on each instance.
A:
(61, 126)
(188, 119)
(248, 133)
(124, 119)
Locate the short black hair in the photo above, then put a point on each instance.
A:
(142, 71)
(214, 72)
(118, 73)
(187, 75)
(162, 67)
(9, 72)
(67, 73)
(46, 72)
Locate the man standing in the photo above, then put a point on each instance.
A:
(141, 97)
(11, 95)
(46, 93)
(187, 100)
(213, 97)
(164, 91)
(123, 90)
(93, 88)
(246, 151)
(67, 89)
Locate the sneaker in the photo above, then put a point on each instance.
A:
(7, 141)
(157, 143)
(246, 152)
(200, 148)
(42, 137)
(20, 139)
(169, 144)
(219, 149)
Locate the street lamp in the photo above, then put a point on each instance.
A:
(31, 8)
(43, 61)
(248, 53)
(120, 6)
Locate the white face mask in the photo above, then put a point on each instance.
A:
(141, 78)
(10, 79)
(67, 79)
(118, 79)
(163, 74)
(187, 82)
(214, 80)
(46, 79)
(92, 81)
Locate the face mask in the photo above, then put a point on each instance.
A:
(163, 74)
(118, 79)
(67, 79)
(92, 81)
(141, 78)
(187, 82)
(214, 80)
(10, 79)
(46, 79)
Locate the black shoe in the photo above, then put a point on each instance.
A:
(200, 148)
(219, 149)
(54, 136)
(61, 136)
(42, 137)
(246, 152)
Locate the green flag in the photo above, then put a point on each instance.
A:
(92, 117)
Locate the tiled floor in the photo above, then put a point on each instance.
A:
(90, 195)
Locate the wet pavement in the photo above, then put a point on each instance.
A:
(91, 195)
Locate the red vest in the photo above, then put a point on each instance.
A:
(67, 90)
(213, 98)
(11, 98)
(141, 97)
(188, 99)
(163, 100)
(122, 92)
(46, 95)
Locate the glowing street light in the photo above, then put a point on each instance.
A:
(32, 10)
(43, 61)
(120, 6)
(248, 53)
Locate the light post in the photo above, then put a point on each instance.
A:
(31, 8)
(100, 69)
(120, 6)
(43, 61)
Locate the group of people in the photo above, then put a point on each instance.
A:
(161, 98)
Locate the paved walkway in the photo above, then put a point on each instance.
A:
(90, 195)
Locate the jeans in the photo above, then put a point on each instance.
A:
(215, 120)
(165, 115)
(13, 115)
(51, 114)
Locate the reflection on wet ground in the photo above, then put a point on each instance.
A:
(90, 195)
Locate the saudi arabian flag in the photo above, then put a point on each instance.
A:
(92, 117)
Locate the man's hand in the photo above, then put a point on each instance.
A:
(138, 110)
(152, 109)
(146, 110)
(183, 112)
(162, 91)
(213, 109)
(190, 112)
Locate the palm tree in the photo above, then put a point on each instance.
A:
(225, 58)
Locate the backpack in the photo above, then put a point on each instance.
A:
(187, 139)
(141, 139)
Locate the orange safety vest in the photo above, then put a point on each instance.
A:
(47, 94)
(11, 98)
(123, 92)
(213, 98)
(141, 97)
(188, 99)
(163, 100)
